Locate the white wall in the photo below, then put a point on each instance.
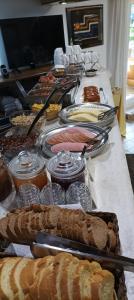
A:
(29, 8)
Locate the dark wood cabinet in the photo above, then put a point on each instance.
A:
(17, 85)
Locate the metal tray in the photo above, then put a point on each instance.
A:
(46, 148)
(64, 113)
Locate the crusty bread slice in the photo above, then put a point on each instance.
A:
(67, 279)
(69, 217)
(112, 240)
(68, 270)
(98, 232)
(18, 223)
(28, 277)
(82, 271)
(50, 218)
(59, 261)
(44, 280)
(15, 279)
(23, 227)
(41, 282)
(53, 217)
(85, 275)
(3, 228)
(35, 223)
(6, 291)
(102, 285)
(11, 228)
(2, 262)
(26, 225)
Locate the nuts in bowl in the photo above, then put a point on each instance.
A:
(25, 118)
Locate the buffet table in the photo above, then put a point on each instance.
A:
(111, 186)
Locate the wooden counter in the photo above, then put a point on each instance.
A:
(28, 73)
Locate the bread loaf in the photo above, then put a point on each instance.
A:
(24, 224)
(62, 277)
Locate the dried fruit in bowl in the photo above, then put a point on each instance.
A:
(37, 106)
(52, 111)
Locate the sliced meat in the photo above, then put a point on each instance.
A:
(74, 147)
(76, 134)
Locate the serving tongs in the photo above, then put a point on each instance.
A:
(109, 113)
(95, 141)
(51, 245)
(64, 88)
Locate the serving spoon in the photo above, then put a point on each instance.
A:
(108, 113)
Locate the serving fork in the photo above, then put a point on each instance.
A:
(111, 112)
(95, 141)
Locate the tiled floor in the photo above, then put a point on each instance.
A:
(128, 141)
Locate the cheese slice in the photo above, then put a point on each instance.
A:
(83, 117)
(92, 112)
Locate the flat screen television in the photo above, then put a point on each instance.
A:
(31, 41)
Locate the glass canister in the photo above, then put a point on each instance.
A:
(66, 168)
(28, 167)
(5, 181)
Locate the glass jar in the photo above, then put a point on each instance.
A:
(28, 167)
(66, 168)
(5, 181)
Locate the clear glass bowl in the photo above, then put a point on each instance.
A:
(23, 119)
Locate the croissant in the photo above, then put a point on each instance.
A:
(61, 277)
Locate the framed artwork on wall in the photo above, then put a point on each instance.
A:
(85, 25)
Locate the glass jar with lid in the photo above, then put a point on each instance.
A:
(66, 168)
(28, 167)
(5, 181)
